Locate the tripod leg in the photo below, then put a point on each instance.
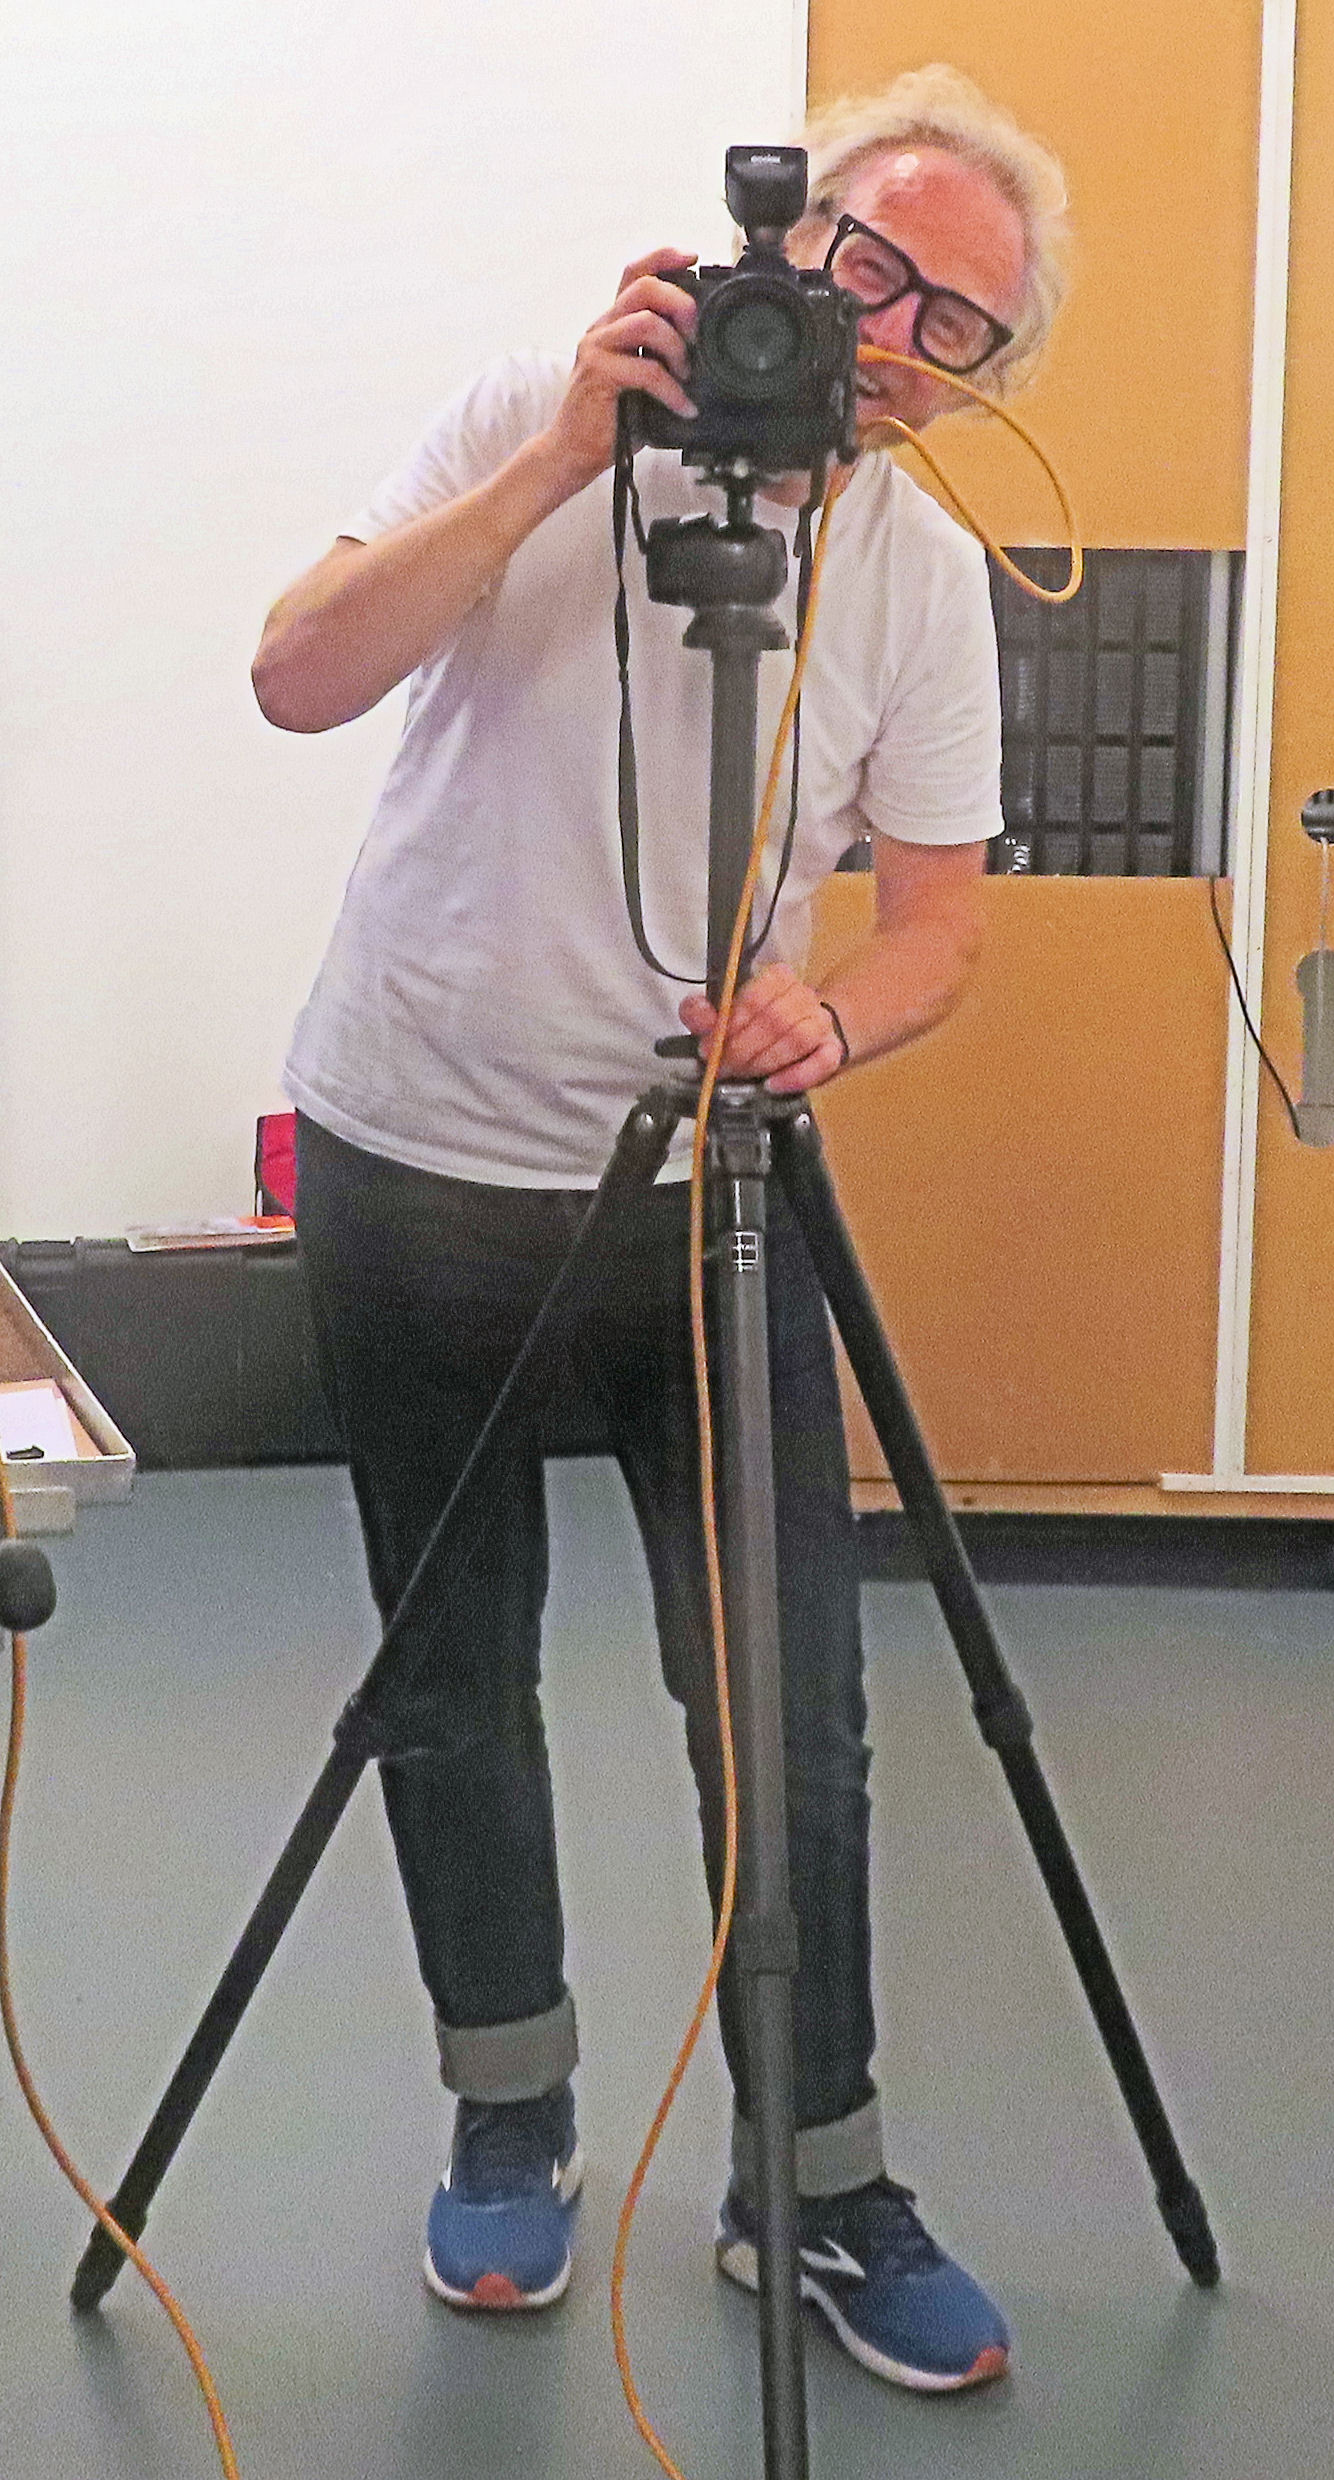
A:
(764, 1939)
(102, 2259)
(1002, 1716)
(365, 1728)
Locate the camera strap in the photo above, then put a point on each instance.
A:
(625, 504)
(626, 511)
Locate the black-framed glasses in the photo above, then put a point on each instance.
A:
(949, 330)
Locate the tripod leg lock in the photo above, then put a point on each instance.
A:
(369, 1737)
(1003, 1718)
(740, 1150)
(764, 1943)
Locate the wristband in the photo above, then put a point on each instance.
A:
(833, 1016)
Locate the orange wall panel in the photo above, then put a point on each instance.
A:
(1145, 405)
(1034, 1190)
(1152, 107)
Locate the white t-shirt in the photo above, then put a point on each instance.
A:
(483, 1010)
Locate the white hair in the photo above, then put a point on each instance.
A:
(937, 106)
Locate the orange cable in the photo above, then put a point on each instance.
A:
(18, 1703)
(718, 1044)
(902, 430)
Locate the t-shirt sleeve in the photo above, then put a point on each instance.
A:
(933, 775)
(468, 439)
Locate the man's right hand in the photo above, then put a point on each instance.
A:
(643, 341)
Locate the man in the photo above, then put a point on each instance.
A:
(478, 1029)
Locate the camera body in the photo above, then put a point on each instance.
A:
(773, 362)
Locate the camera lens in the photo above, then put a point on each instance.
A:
(753, 338)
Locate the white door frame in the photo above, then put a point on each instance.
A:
(1254, 744)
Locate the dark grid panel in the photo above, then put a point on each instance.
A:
(1101, 705)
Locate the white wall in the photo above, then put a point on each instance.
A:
(245, 247)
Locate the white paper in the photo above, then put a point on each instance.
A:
(36, 1416)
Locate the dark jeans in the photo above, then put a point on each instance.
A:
(423, 1289)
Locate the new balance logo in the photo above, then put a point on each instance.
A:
(567, 2182)
(829, 2257)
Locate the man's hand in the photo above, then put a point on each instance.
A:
(900, 982)
(643, 341)
(780, 1031)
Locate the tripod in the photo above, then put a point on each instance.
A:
(730, 572)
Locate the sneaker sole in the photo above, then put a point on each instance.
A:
(738, 2260)
(497, 2291)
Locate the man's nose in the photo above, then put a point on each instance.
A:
(892, 328)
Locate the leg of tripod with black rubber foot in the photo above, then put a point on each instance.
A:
(764, 1936)
(366, 1729)
(1002, 1716)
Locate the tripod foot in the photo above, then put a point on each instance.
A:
(98, 2267)
(1183, 2212)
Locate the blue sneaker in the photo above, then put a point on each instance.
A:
(501, 2219)
(894, 2299)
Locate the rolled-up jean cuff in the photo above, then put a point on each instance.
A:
(509, 2062)
(846, 2153)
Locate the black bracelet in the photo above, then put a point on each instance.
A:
(833, 1016)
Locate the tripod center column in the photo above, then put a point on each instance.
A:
(764, 1939)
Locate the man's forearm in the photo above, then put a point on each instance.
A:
(368, 615)
(900, 982)
(905, 979)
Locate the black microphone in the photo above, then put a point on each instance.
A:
(27, 1587)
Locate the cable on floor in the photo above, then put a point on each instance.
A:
(164, 2297)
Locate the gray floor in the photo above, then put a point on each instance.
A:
(180, 1707)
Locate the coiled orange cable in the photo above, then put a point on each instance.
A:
(891, 431)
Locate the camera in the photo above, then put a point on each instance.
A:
(773, 360)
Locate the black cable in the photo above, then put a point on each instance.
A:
(1288, 1103)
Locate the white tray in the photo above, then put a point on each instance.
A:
(46, 1494)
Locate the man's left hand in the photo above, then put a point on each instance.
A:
(779, 1031)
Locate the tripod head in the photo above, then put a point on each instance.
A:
(707, 562)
